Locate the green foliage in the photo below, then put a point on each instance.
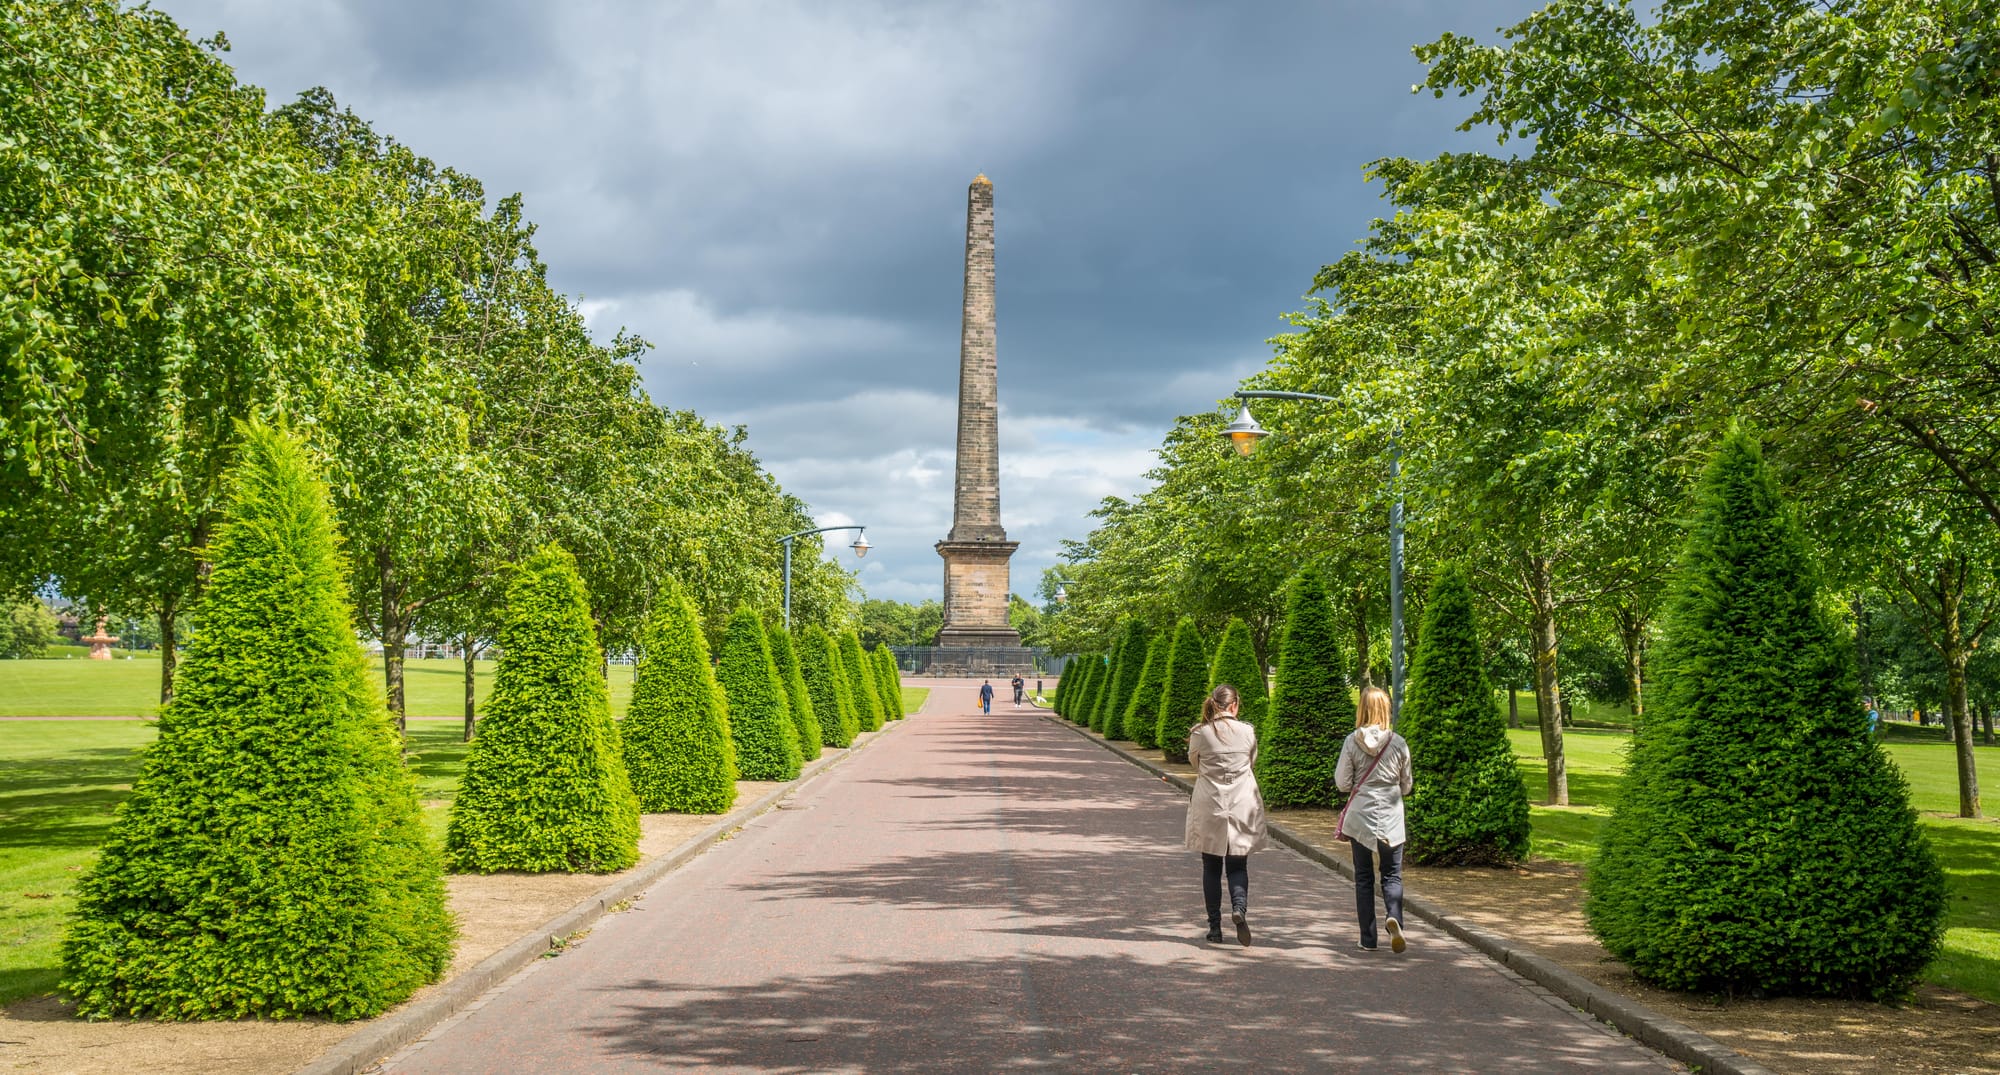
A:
(760, 712)
(1468, 806)
(887, 683)
(867, 700)
(1132, 645)
(27, 628)
(545, 787)
(1142, 713)
(1092, 687)
(1182, 694)
(1311, 710)
(678, 750)
(805, 716)
(271, 860)
(1762, 840)
(1236, 665)
(894, 623)
(826, 680)
(1065, 677)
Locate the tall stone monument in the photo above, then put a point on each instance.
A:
(977, 551)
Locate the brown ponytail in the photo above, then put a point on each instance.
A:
(1222, 697)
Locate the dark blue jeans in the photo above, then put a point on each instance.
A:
(1364, 886)
(1212, 867)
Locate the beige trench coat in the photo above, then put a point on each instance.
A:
(1226, 814)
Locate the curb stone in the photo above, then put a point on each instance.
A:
(381, 1037)
(1666, 1035)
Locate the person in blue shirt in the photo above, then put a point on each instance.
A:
(986, 697)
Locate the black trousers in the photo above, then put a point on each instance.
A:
(1212, 867)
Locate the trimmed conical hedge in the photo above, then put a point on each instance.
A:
(1131, 661)
(1761, 841)
(271, 860)
(1236, 665)
(1470, 808)
(1093, 686)
(884, 667)
(826, 681)
(1064, 678)
(805, 716)
(867, 700)
(545, 787)
(1311, 712)
(1142, 712)
(760, 714)
(1182, 694)
(678, 750)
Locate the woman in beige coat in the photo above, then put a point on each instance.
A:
(1225, 818)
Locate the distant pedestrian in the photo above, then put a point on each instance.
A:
(1374, 770)
(986, 697)
(1225, 818)
(1019, 686)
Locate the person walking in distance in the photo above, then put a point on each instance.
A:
(1225, 818)
(1019, 685)
(1374, 771)
(986, 697)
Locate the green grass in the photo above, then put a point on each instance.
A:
(913, 698)
(79, 688)
(1970, 849)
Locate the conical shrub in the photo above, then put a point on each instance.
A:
(760, 714)
(885, 682)
(867, 703)
(1761, 841)
(1311, 712)
(1182, 694)
(271, 860)
(826, 681)
(1236, 665)
(805, 716)
(1470, 808)
(1093, 684)
(1064, 678)
(1132, 646)
(1142, 712)
(1113, 664)
(678, 751)
(545, 787)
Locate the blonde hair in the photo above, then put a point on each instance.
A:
(1222, 697)
(1373, 712)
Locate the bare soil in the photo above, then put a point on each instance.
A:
(1540, 905)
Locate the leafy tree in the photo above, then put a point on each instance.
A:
(1142, 713)
(271, 860)
(1236, 664)
(760, 712)
(1308, 715)
(679, 753)
(826, 681)
(29, 629)
(545, 787)
(894, 623)
(805, 716)
(1181, 695)
(1755, 796)
(1131, 660)
(867, 700)
(1469, 808)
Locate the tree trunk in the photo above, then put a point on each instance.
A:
(1951, 646)
(1366, 679)
(1548, 696)
(1864, 650)
(1986, 715)
(168, 658)
(1513, 707)
(1632, 635)
(394, 630)
(469, 652)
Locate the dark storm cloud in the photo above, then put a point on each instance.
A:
(774, 194)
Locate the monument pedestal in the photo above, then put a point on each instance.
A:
(975, 593)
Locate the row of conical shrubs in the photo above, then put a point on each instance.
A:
(1761, 842)
(272, 861)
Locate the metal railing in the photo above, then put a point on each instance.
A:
(977, 660)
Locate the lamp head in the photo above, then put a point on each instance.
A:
(1062, 594)
(861, 545)
(1244, 432)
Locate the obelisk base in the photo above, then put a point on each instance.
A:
(975, 593)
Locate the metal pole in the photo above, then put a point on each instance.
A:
(787, 543)
(1395, 583)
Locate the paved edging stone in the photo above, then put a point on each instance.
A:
(1668, 1036)
(384, 1035)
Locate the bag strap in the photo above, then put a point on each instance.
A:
(1340, 823)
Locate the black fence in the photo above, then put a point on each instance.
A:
(977, 660)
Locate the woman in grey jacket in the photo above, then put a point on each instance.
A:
(1225, 818)
(1374, 771)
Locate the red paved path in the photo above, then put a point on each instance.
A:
(980, 893)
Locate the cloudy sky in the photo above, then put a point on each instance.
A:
(773, 194)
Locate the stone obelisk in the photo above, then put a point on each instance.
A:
(977, 551)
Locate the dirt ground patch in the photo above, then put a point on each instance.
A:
(43, 1035)
(1540, 905)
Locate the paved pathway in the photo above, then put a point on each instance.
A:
(993, 893)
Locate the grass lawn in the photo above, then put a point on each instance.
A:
(81, 688)
(1970, 849)
(913, 698)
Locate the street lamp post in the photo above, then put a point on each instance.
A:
(860, 548)
(1244, 433)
